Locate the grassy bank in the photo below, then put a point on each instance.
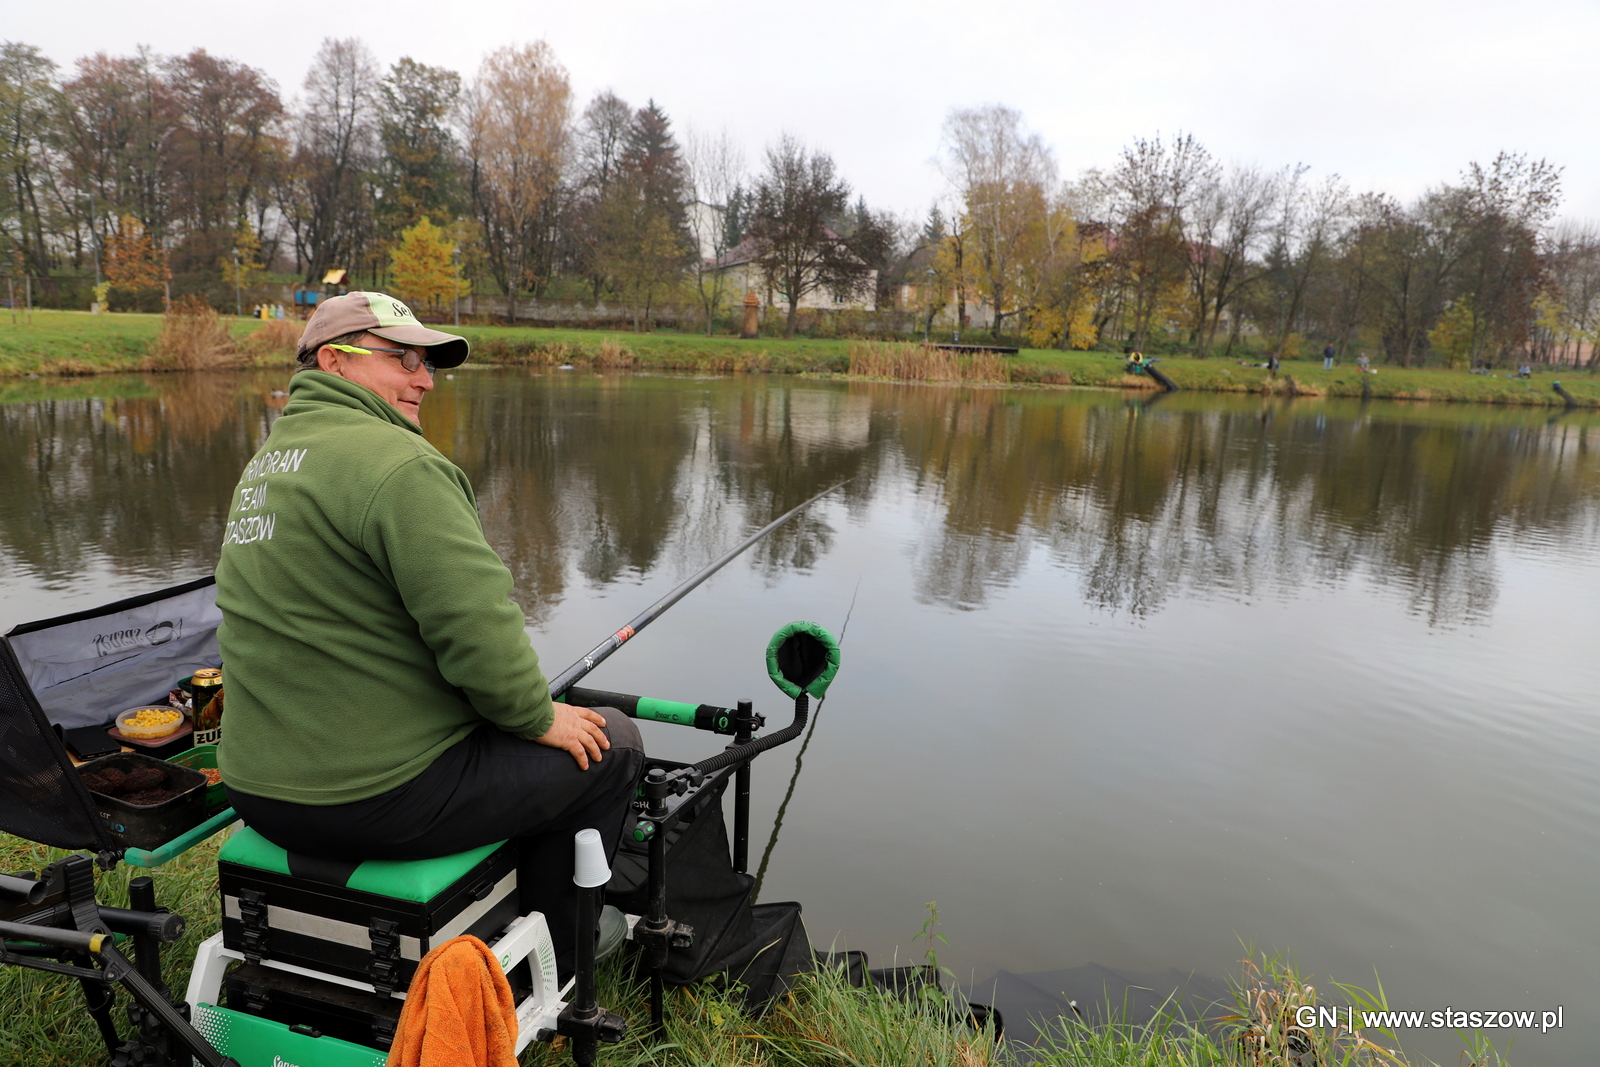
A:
(69, 343)
(822, 1022)
(74, 343)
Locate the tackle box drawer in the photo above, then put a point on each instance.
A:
(310, 912)
(314, 1006)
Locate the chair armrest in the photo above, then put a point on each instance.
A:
(155, 857)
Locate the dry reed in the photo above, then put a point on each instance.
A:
(193, 337)
(613, 356)
(924, 363)
(273, 344)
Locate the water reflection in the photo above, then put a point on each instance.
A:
(1209, 497)
(131, 472)
(606, 479)
(611, 473)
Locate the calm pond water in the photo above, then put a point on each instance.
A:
(1130, 684)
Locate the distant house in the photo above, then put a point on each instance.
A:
(743, 273)
(913, 288)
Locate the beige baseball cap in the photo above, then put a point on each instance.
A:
(383, 316)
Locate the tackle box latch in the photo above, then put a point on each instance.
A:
(385, 966)
(253, 919)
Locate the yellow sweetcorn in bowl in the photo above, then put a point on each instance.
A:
(149, 723)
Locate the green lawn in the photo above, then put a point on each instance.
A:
(67, 343)
(76, 342)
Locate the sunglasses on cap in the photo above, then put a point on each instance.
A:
(410, 359)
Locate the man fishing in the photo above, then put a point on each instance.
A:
(383, 699)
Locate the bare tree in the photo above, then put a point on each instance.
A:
(598, 144)
(28, 97)
(799, 252)
(1003, 174)
(1150, 194)
(1509, 203)
(1304, 237)
(1573, 279)
(226, 138)
(115, 126)
(1228, 221)
(518, 114)
(337, 147)
(716, 174)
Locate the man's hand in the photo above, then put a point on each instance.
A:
(578, 731)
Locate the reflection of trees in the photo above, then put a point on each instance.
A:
(573, 464)
(629, 476)
(141, 481)
(783, 445)
(1230, 499)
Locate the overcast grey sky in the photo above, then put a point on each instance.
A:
(1392, 94)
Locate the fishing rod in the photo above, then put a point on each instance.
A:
(564, 681)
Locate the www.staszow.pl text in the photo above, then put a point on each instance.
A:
(1448, 1019)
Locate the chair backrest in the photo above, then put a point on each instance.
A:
(81, 670)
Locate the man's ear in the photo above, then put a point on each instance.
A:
(328, 360)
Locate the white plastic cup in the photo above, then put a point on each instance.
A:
(589, 869)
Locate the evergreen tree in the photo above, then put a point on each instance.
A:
(420, 170)
(736, 216)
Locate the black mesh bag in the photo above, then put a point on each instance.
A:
(42, 797)
(761, 946)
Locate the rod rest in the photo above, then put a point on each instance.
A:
(707, 717)
(659, 784)
(735, 754)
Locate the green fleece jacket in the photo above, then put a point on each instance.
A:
(367, 625)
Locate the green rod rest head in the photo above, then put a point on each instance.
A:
(802, 657)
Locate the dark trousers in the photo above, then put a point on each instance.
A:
(488, 787)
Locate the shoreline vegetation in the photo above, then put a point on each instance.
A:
(822, 1022)
(59, 344)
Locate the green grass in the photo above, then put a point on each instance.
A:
(654, 351)
(60, 343)
(45, 1024)
(76, 343)
(822, 1022)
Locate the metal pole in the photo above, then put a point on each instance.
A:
(584, 1001)
(147, 948)
(741, 794)
(655, 919)
(238, 300)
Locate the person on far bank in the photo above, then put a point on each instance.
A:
(384, 701)
(1327, 356)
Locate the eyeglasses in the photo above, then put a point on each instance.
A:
(410, 359)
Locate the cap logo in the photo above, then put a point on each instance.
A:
(401, 310)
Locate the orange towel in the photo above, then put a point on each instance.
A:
(458, 1011)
